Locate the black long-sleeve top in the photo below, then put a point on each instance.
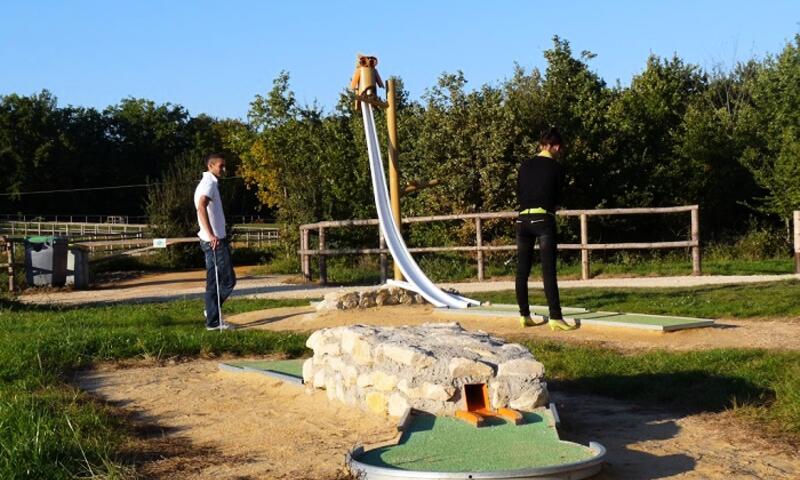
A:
(539, 183)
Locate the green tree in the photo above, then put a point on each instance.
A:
(772, 122)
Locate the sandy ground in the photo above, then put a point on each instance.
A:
(165, 286)
(206, 424)
(726, 333)
(646, 443)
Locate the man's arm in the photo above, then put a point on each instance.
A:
(204, 222)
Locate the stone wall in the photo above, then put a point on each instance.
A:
(389, 369)
(368, 298)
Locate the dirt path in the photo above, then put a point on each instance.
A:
(166, 286)
(726, 334)
(217, 425)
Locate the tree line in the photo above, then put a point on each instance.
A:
(728, 140)
(47, 147)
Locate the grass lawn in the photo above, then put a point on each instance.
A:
(51, 430)
(772, 299)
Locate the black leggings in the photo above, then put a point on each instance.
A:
(529, 228)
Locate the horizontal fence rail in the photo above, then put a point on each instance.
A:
(113, 219)
(97, 232)
(322, 252)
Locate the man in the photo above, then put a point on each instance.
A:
(213, 241)
(539, 185)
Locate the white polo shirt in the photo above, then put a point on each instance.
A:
(209, 187)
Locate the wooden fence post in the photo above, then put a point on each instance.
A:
(797, 241)
(696, 265)
(305, 264)
(585, 267)
(479, 244)
(10, 255)
(323, 265)
(384, 260)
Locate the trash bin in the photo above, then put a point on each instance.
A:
(78, 267)
(46, 261)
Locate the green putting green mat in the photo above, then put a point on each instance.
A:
(662, 323)
(535, 309)
(291, 368)
(445, 444)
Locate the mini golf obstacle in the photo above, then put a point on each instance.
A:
(470, 404)
(582, 316)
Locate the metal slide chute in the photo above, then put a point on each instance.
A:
(418, 281)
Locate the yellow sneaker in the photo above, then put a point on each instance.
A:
(560, 325)
(526, 321)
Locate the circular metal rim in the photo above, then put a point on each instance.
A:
(590, 467)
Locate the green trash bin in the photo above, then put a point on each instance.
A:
(46, 261)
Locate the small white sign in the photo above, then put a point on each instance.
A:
(159, 243)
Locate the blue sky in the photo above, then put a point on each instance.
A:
(213, 57)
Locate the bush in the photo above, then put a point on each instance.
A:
(758, 243)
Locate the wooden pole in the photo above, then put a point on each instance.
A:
(383, 259)
(10, 255)
(797, 241)
(323, 266)
(696, 265)
(479, 244)
(305, 265)
(585, 267)
(394, 170)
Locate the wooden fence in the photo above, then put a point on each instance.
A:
(322, 252)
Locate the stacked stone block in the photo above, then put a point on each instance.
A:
(369, 298)
(389, 369)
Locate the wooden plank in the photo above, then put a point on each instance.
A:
(507, 214)
(499, 248)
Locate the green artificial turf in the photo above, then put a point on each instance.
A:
(664, 321)
(535, 309)
(293, 367)
(633, 318)
(446, 444)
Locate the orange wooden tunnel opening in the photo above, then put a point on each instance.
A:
(478, 407)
